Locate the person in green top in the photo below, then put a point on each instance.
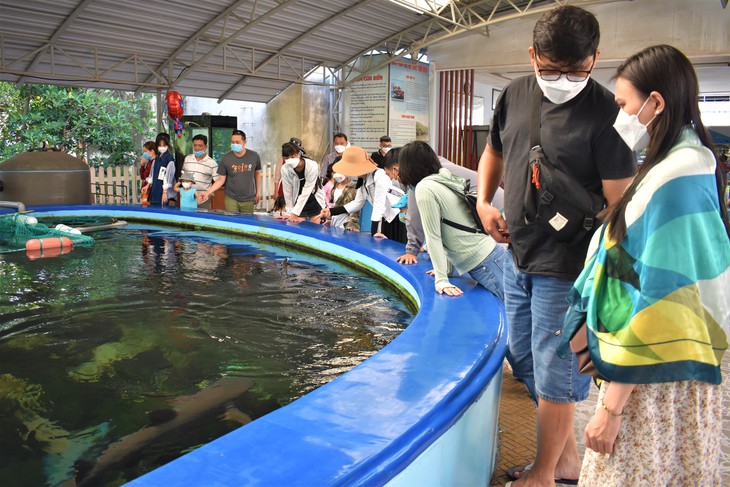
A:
(451, 235)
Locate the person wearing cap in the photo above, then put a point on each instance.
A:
(339, 144)
(379, 155)
(300, 181)
(188, 201)
(402, 206)
(203, 168)
(372, 186)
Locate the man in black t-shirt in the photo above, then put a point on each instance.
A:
(379, 155)
(577, 136)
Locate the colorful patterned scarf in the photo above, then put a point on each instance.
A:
(657, 304)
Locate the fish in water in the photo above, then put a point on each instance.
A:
(212, 401)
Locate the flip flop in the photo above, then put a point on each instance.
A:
(514, 472)
(564, 483)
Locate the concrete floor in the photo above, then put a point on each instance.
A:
(518, 416)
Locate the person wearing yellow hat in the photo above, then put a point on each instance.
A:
(372, 186)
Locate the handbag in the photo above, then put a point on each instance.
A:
(579, 346)
(554, 201)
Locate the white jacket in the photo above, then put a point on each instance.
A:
(374, 190)
(290, 183)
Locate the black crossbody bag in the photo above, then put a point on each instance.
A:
(554, 201)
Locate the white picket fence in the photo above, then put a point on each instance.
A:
(121, 185)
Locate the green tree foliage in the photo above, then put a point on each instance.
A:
(104, 127)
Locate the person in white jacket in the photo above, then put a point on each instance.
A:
(372, 186)
(300, 181)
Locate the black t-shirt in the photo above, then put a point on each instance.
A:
(577, 137)
(378, 158)
(302, 178)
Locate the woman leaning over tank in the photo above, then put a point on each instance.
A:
(300, 180)
(654, 292)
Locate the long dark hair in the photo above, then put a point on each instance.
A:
(666, 70)
(290, 149)
(416, 160)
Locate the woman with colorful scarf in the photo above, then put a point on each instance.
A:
(654, 292)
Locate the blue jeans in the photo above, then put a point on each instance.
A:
(535, 307)
(489, 273)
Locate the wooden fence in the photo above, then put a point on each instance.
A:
(121, 185)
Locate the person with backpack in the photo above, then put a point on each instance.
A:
(451, 233)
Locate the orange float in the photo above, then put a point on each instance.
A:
(37, 248)
(45, 254)
(48, 243)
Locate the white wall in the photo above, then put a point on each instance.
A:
(700, 28)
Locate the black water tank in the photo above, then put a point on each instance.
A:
(45, 177)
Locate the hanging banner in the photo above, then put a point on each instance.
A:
(408, 98)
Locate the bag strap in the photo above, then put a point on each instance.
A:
(459, 226)
(535, 116)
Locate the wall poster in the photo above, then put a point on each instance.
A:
(408, 97)
(390, 101)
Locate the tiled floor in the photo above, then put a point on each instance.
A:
(518, 416)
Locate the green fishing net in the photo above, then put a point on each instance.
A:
(18, 228)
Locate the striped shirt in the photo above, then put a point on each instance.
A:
(204, 171)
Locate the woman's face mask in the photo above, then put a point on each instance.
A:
(339, 177)
(292, 162)
(631, 130)
(162, 149)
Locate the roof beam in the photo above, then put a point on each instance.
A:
(224, 14)
(446, 32)
(292, 43)
(230, 39)
(56, 35)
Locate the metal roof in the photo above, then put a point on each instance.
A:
(227, 49)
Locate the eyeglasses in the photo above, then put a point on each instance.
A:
(555, 74)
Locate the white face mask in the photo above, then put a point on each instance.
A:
(340, 149)
(162, 150)
(562, 90)
(385, 150)
(187, 184)
(631, 130)
(339, 177)
(292, 163)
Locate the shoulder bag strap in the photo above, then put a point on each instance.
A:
(459, 226)
(535, 116)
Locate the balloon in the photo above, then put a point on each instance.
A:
(175, 109)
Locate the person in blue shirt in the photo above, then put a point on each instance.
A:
(188, 200)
